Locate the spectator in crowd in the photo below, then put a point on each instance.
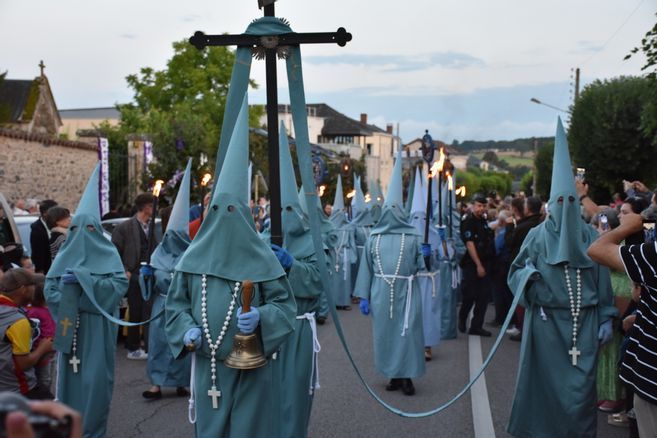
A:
(131, 239)
(502, 296)
(32, 206)
(196, 223)
(40, 239)
(38, 311)
(19, 207)
(328, 210)
(530, 218)
(17, 358)
(26, 263)
(639, 363)
(58, 219)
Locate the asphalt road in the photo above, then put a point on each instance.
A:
(342, 407)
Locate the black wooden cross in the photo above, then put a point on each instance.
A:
(269, 44)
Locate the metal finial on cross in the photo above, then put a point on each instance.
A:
(270, 46)
(42, 66)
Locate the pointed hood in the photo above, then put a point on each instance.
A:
(176, 237)
(409, 195)
(229, 224)
(339, 216)
(566, 236)
(419, 204)
(296, 228)
(361, 215)
(329, 237)
(85, 246)
(393, 218)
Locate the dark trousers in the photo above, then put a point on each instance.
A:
(139, 310)
(475, 291)
(502, 295)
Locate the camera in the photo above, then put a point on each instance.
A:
(42, 425)
(581, 172)
(649, 230)
(604, 222)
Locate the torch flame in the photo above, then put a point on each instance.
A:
(368, 198)
(322, 189)
(441, 160)
(351, 194)
(450, 183)
(434, 170)
(460, 191)
(206, 179)
(157, 187)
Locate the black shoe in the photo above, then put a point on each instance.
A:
(462, 325)
(321, 320)
(479, 332)
(394, 384)
(407, 387)
(494, 323)
(152, 395)
(181, 391)
(516, 338)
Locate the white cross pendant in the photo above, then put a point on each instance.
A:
(212, 392)
(75, 362)
(574, 352)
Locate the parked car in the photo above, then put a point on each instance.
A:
(10, 239)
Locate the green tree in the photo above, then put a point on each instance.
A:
(180, 108)
(543, 165)
(605, 135)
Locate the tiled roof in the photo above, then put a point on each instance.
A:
(336, 123)
(14, 94)
(107, 113)
(44, 139)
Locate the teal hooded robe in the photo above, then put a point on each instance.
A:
(397, 313)
(227, 251)
(344, 252)
(162, 368)
(296, 366)
(553, 397)
(96, 264)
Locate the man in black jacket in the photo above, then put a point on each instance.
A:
(40, 239)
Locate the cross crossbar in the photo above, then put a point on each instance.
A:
(200, 40)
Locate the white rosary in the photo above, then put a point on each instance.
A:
(390, 283)
(214, 346)
(74, 348)
(341, 244)
(575, 306)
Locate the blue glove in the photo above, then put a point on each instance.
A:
(605, 332)
(441, 232)
(146, 270)
(69, 277)
(364, 306)
(247, 322)
(426, 249)
(284, 257)
(193, 337)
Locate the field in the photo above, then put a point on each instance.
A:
(513, 158)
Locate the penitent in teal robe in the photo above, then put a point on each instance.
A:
(344, 255)
(395, 355)
(554, 398)
(89, 391)
(245, 408)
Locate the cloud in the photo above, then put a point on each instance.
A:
(584, 47)
(190, 18)
(128, 36)
(401, 63)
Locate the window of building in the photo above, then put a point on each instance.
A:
(369, 148)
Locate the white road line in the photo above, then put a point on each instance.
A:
(482, 418)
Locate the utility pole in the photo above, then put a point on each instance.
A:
(576, 84)
(535, 168)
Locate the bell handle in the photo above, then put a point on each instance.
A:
(247, 295)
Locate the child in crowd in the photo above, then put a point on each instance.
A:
(38, 310)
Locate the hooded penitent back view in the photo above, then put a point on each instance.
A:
(163, 369)
(386, 279)
(203, 306)
(86, 275)
(568, 301)
(345, 252)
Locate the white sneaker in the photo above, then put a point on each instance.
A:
(513, 332)
(137, 355)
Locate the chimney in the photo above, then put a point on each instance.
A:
(389, 128)
(363, 118)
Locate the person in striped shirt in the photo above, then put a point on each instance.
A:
(639, 365)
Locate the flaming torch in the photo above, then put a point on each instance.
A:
(450, 189)
(204, 189)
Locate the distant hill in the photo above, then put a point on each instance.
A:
(519, 144)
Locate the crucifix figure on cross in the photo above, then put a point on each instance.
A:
(271, 46)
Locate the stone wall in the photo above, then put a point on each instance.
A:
(34, 166)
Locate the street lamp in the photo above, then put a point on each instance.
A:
(535, 100)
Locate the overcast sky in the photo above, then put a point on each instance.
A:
(462, 69)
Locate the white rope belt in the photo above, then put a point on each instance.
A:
(433, 276)
(456, 277)
(345, 264)
(191, 408)
(314, 375)
(409, 296)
